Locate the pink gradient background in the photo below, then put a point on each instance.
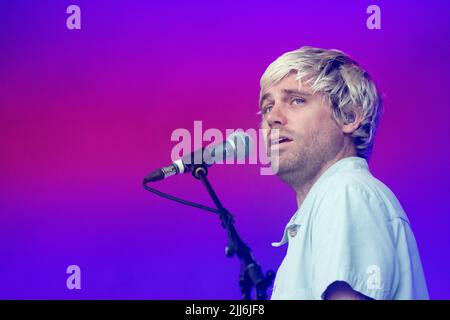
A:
(84, 115)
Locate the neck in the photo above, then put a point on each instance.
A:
(303, 188)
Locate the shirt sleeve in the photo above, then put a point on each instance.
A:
(352, 242)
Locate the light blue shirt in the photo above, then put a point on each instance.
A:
(351, 228)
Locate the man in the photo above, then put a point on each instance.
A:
(350, 238)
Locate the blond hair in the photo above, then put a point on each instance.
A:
(340, 79)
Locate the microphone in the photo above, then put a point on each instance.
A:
(237, 145)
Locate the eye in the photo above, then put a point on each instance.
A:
(297, 101)
(266, 109)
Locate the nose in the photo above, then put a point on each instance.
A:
(276, 117)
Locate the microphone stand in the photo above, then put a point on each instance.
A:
(251, 274)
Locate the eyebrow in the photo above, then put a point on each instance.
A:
(299, 92)
(287, 92)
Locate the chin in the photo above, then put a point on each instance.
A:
(283, 169)
(290, 167)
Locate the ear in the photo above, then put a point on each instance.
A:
(352, 121)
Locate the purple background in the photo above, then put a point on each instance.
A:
(85, 114)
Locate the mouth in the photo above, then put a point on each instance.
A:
(279, 141)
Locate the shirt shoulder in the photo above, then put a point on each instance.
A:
(358, 186)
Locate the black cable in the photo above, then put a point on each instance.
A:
(173, 198)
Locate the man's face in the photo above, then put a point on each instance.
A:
(309, 135)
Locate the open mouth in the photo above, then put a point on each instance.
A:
(279, 141)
